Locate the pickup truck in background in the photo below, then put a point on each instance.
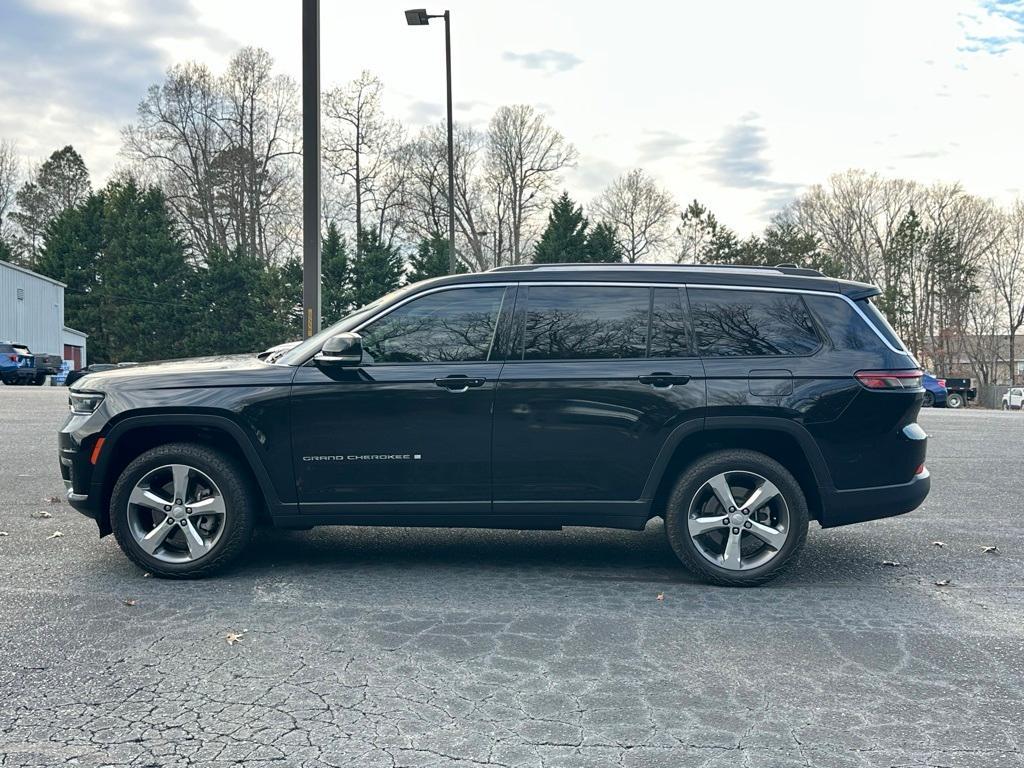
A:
(959, 392)
(18, 365)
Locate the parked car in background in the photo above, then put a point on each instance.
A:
(74, 376)
(1014, 399)
(42, 365)
(17, 365)
(935, 393)
(276, 351)
(959, 391)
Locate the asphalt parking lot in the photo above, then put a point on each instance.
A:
(398, 647)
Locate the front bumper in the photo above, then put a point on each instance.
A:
(861, 504)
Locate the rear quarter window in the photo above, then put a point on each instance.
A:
(880, 322)
(846, 329)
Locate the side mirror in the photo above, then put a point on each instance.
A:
(342, 349)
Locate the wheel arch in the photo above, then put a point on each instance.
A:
(785, 441)
(137, 434)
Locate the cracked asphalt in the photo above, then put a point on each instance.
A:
(402, 647)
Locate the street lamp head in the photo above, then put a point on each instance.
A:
(417, 17)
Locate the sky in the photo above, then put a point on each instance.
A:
(738, 103)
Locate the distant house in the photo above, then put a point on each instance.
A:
(32, 313)
(987, 360)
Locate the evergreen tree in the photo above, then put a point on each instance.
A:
(71, 253)
(146, 291)
(565, 239)
(60, 183)
(376, 271)
(336, 288)
(602, 246)
(431, 259)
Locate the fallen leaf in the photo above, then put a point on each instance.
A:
(53, 499)
(234, 637)
(129, 601)
(55, 535)
(146, 575)
(3, 533)
(661, 597)
(942, 583)
(42, 513)
(990, 550)
(892, 563)
(939, 544)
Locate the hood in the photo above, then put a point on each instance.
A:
(214, 371)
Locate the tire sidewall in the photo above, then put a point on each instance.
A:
(691, 480)
(929, 400)
(239, 517)
(954, 401)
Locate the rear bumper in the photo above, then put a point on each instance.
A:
(861, 504)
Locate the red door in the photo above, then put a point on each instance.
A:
(74, 354)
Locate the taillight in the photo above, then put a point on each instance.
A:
(942, 383)
(890, 380)
(13, 358)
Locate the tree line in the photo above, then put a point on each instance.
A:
(194, 245)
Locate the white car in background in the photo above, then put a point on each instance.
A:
(1014, 399)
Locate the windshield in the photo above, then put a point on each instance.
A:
(298, 354)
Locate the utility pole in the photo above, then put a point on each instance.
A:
(310, 167)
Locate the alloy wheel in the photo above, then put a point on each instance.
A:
(176, 513)
(738, 520)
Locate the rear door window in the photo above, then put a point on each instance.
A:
(730, 323)
(585, 322)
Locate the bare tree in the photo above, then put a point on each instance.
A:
(225, 152)
(1006, 271)
(641, 213)
(524, 156)
(366, 149)
(8, 177)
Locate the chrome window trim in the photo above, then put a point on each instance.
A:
(632, 283)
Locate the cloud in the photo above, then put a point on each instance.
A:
(660, 145)
(421, 112)
(995, 28)
(73, 74)
(548, 60)
(739, 160)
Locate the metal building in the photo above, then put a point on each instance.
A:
(32, 313)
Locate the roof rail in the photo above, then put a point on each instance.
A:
(782, 269)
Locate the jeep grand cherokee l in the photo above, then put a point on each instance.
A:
(736, 403)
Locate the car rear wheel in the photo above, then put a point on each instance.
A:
(955, 400)
(183, 510)
(929, 399)
(737, 518)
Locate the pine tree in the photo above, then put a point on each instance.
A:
(565, 239)
(376, 271)
(336, 290)
(431, 259)
(60, 183)
(602, 246)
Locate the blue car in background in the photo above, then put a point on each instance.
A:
(934, 391)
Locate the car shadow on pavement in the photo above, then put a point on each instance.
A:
(578, 553)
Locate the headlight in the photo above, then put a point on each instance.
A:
(84, 402)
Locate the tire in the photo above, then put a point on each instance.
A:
(929, 399)
(741, 465)
(233, 527)
(38, 380)
(954, 400)
(1006, 407)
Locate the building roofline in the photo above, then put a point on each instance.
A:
(83, 334)
(18, 268)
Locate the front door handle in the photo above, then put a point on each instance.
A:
(661, 379)
(459, 383)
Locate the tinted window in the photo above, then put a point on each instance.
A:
(579, 322)
(670, 325)
(845, 327)
(751, 323)
(878, 319)
(444, 327)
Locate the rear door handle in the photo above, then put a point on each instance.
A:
(459, 383)
(663, 380)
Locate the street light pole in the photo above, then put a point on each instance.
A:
(452, 262)
(310, 167)
(416, 18)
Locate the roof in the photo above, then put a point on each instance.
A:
(75, 331)
(17, 268)
(695, 274)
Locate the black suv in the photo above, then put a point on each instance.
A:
(736, 403)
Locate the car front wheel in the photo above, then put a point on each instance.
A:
(183, 510)
(737, 518)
